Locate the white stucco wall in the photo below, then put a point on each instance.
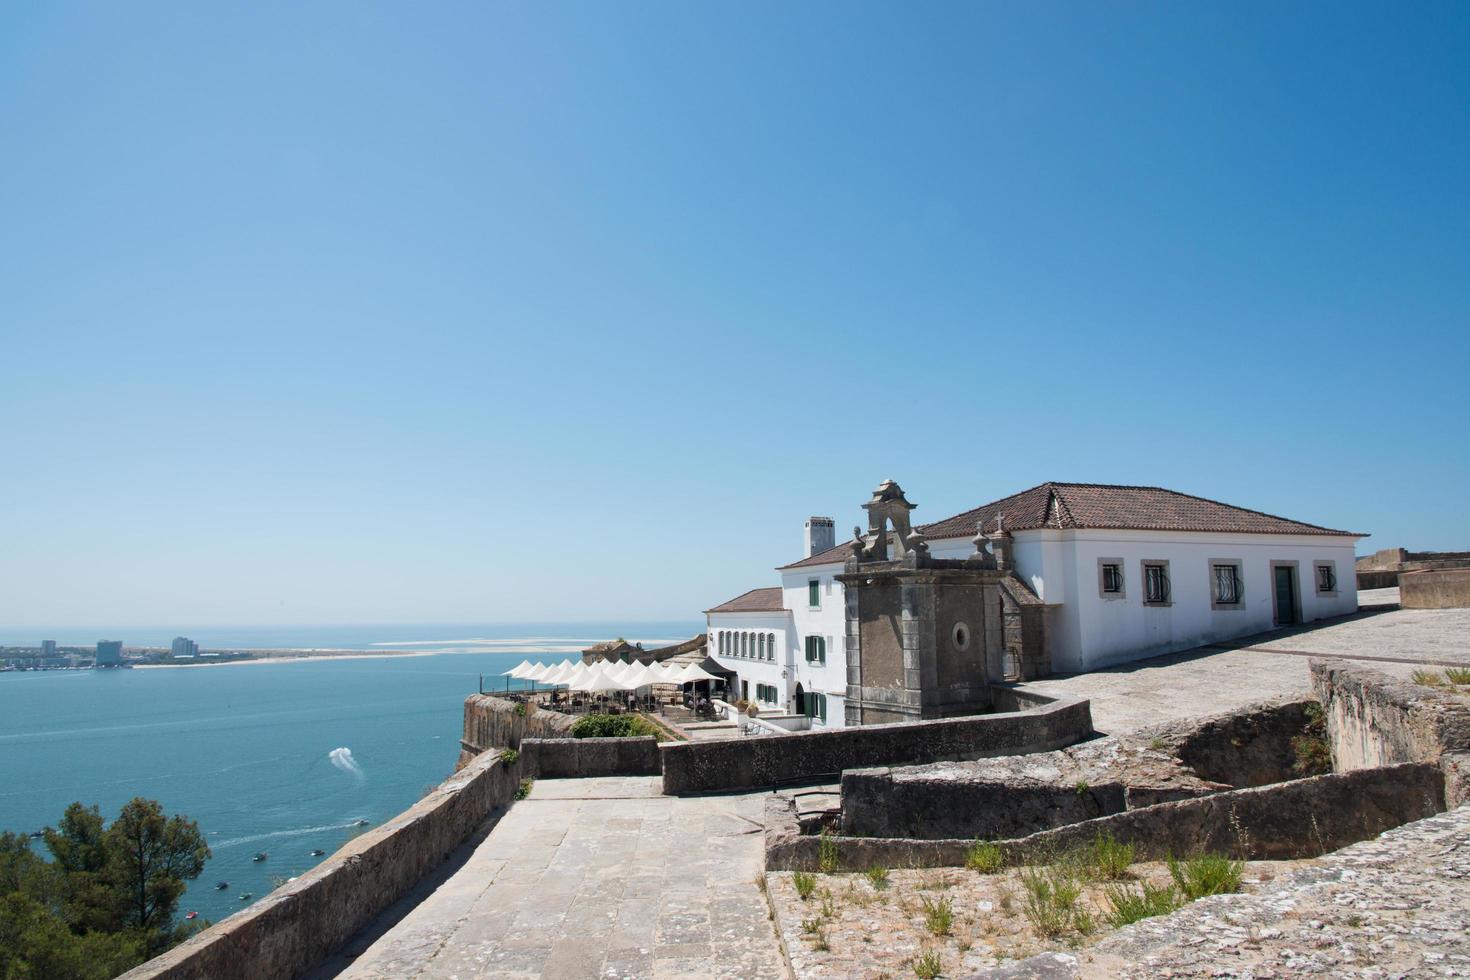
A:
(828, 620)
(1090, 631)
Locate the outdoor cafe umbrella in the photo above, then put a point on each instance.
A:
(693, 673)
(519, 670)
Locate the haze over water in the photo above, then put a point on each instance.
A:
(280, 757)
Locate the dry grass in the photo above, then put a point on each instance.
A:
(967, 921)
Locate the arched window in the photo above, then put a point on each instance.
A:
(771, 646)
(761, 646)
(743, 644)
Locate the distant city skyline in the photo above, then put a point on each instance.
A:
(480, 314)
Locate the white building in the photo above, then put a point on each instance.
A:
(1125, 573)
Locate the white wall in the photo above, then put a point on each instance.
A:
(750, 667)
(828, 620)
(1092, 631)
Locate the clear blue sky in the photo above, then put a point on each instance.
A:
(350, 312)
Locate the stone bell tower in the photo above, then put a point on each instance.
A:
(924, 635)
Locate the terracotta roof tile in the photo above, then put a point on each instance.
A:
(756, 600)
(1101, 506)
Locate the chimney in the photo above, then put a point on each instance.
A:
(821, 534)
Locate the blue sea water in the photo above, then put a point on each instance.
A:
(281, 757)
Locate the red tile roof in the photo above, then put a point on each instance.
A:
(1101, 506)
(756, 600)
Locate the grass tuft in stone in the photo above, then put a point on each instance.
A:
(1208, 874)
(509, 756)
(1107, 858)
(827, 861)
(1051, 899)
(805, 883)
(928, 966)
(985, 857)
(938, 915)
(1428, 678)
(812, 926)
(1458, 675)
(877, 877)
(1128, 905)
(524, 789)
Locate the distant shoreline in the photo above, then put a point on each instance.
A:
(286, 655)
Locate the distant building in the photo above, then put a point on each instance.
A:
(48, 648)
(109, 653)
(184, 647)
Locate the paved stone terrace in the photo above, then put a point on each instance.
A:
(1391, 907)
(1213, 679)
(597, 878)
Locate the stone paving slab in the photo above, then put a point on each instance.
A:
(597, 878)
(1210, 680)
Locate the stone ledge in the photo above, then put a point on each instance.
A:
(696, 767)
(1301, 818)
(304, 921)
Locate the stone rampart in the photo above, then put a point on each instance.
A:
(1249, 746)
(304, 921)
(494, 721)
(1447, 588)
(1014, 795)
(749, 763)
(580, 758)
(1374, 720)
(1302, 818)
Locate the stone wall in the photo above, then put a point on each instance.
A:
(579, 758)
(749, 763)
(1302, 818)
(492, 721)
(1374, 719)
(304, 921)
(1250, 746)
(1014, 795)
(1447, 588)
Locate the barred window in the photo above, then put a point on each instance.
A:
(1326, 578)
(1112, 578)
(1155, 582)
(1227, 585)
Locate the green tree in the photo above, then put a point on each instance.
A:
(149, 857)
(78, 846)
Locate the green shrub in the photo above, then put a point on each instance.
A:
(1107, 859)
(1051, 899)
(1208, 874)
(614, 726)
(805, 882)
(1428, 678)
(938, 915)
(524, 790)
(827, 852)
(521, 709)
(1458, 675)
(878, 877)
(985, 857)
(509, 756)
(1130, 906)
(928, 966)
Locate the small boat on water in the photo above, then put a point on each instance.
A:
(220, 886)
(318, 853)
(360, 823)
(246, 897)
(192, 915)
(260, 856)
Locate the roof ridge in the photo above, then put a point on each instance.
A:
(1248, 510)
(1056, 495)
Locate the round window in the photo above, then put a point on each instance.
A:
(961, 636)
